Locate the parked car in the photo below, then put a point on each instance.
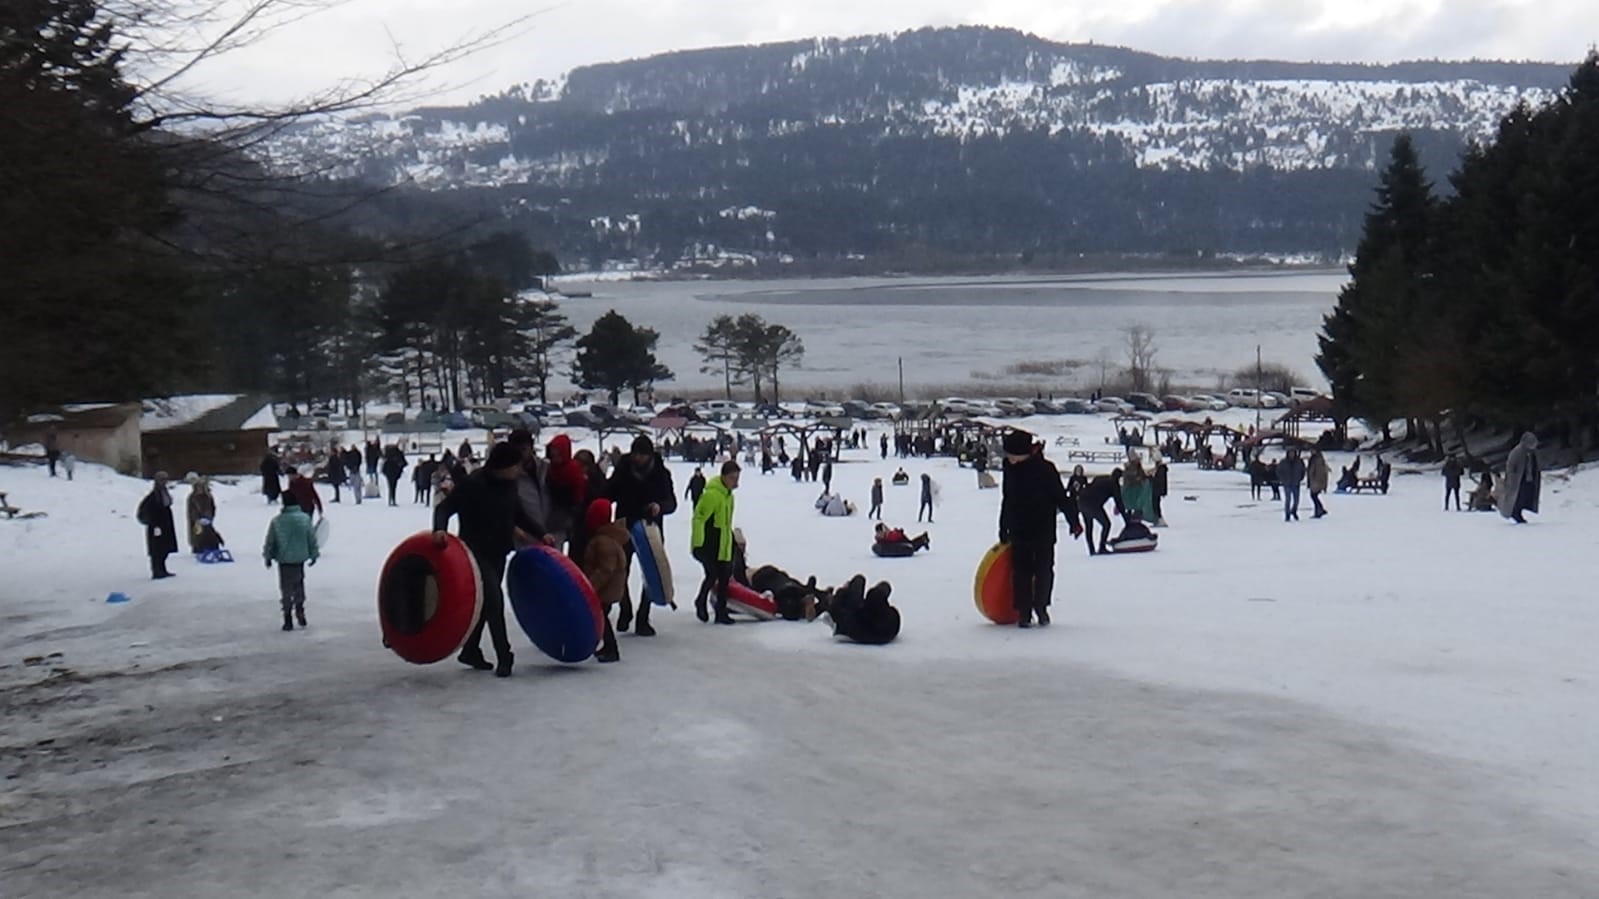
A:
(1246, 398)
(858, 409)
(716, 410)
(887, 410)
(459, 421)
(1046, 407)
(644, 412)
(1209, 402)
(1274, 399)
(582, 418)
(1014, 408)
(1072, 405)
(769, 410)
(1144, 402)
(1297, 395)
(1114, 404)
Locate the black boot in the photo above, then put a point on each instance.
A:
(299, 615)
(502, 666)
(1043, 618)
(701, 611)
(641, 626)
(624, 615)
(288, 623)
(473, 658)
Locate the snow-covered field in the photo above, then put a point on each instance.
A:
(1393, 701)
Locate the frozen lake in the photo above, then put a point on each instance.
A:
(951, 331)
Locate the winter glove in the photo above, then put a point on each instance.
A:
(312, 563)
(269, 563)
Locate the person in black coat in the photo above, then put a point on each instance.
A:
(393, 465)
(160, 534)
(335, 471)
(1091, 505)
(352, 467)
(271, 476)
(492, 522)
(862, 615)
(641, 488)
(696, 487)
(374, 455)
(1033, 494)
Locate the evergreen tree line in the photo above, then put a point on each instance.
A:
(146, 253)
(1481, 307)
(749, 350)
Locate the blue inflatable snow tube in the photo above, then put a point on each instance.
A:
(555, 604)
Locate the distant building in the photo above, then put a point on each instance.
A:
(106, 434)
(208, 435)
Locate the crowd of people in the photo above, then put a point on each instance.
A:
(574, 501)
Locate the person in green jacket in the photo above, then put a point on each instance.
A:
(291, 542)
(712, 541)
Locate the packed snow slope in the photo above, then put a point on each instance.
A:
(1392, 701)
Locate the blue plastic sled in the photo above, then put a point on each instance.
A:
(555, 604)
(652, 562)
(213, 556)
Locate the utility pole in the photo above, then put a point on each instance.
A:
(902, 380)
(1260, 383)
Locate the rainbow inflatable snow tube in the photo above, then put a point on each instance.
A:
(744, 599)
(650, 551)
(555, 604)
(428, 598)
(992, 589)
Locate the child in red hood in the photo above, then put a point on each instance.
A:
(604, 562)
(568, 483)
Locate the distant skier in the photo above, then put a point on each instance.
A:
(160, 535)
(291, 542)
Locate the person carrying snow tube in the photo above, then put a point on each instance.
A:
(893, 543)
(1032, 495)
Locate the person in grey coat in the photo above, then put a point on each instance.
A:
(1518, 492)
(1290, 474)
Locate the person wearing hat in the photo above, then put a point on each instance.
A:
(713, 540)
(604, 563)
(641, 487)
(492, 522)
(160, 535)
(1032, 495)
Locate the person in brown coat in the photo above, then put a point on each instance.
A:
(605, 564)
(202, 506)
(1316, 474)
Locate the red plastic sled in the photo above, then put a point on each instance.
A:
(743, 599)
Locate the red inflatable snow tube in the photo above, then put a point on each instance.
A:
(429, 598)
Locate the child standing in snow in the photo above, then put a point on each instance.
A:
(291, 542)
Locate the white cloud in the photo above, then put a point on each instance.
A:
(358, 38)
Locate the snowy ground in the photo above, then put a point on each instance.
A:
(1394, 701)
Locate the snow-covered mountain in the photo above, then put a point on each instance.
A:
(921, 113)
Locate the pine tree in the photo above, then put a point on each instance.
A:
(1366, 334)
(718, 347)
(615, 356)
(547, 333)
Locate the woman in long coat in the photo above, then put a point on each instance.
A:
(271, 476)
(160, 537)
(1518, 492)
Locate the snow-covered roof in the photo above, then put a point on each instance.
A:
(209, 412)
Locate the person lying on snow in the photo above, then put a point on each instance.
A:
(887, 536)
(862, 615)
(796, 601)
(901, 479)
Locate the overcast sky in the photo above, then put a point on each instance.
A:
(358, 37)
